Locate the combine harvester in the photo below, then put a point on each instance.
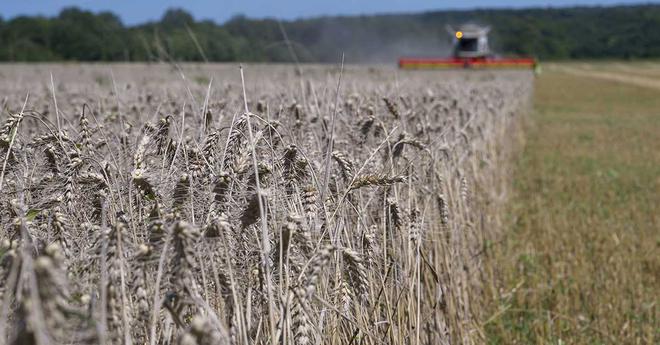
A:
(471, 50)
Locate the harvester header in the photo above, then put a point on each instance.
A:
(470, 50)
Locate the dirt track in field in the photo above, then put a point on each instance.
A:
(620, 77)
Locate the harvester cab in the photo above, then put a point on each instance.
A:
(470, 41)
(470, 50)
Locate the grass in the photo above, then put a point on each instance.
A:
(581, 262)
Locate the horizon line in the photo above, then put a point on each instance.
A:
(337, 15)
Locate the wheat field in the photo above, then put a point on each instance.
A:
(159, 204)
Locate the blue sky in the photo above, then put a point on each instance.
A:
(138, 11)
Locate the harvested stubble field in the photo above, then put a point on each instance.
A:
(154, 204)
(579, 261)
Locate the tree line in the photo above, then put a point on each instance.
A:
(621, 32)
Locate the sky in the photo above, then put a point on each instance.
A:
(139, 11)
